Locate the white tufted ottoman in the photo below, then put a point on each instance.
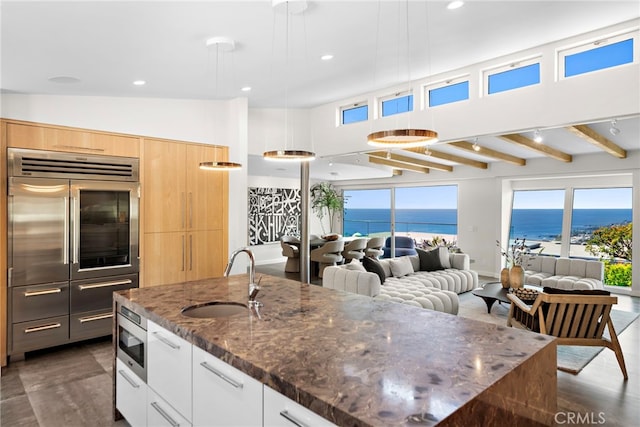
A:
(420, 296)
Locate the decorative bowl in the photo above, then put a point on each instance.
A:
(526, 294)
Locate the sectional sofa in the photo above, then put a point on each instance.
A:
(563, 273)
(406, 281)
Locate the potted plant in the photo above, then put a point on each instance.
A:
(326, 201)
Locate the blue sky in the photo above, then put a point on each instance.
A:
(436, 197)
(591, 198)
(445, 197)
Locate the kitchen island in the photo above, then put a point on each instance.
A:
(359, 362)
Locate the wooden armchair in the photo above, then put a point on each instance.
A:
(574, 317)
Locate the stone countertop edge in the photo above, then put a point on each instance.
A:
(352, 360)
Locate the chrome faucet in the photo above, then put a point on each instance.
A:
(254, 288)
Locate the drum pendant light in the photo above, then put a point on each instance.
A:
(223, 44)
(287, 154)
(409, 137)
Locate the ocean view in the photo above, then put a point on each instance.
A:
(532, 224)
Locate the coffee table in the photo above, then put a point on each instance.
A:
(492, 292)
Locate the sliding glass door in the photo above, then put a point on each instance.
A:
(426, 214)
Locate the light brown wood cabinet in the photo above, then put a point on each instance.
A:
(56, 138)
(184, 212)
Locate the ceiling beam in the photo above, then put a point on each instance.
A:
(488, 152)
(397, 165)
(540, 148)
(590, 135)
(411, 161)
(448, 157)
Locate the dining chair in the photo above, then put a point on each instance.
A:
(354, 249)
(328, 254)
(374, 247)
(292, 252)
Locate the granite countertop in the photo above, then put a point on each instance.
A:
(353, 360)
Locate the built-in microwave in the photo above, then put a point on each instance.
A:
(132, 340)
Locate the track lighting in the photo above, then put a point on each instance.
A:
(613, 129)
(537, 137)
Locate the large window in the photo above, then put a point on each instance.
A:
(601, 227)
(597, 224)
(367, 212)
(419, 212)
(536, 217)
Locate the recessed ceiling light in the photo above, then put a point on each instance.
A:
(64, 79)
(326, 57)
(246, 89)
(139, 82)
(455, 5)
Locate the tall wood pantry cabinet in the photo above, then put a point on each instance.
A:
(185, 212)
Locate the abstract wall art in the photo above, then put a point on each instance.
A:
(273, 213)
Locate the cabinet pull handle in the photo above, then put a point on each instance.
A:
(95, 317)
(65, 230)
(190, 252)
(183, 203)
(190, 210)
(28, 294)
(105, 284)
(222, 376)
(42, 328)
(184, 255)
(75, 209)
(129, 380)
(166, 341)
(287, 416)
(164, 414)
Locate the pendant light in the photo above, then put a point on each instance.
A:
(409, 137)
(224, 44)
(287, 154)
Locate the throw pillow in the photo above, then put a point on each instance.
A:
(443, 252)
(400, 266)
(355, 265)
(373, 266)
(429, 260)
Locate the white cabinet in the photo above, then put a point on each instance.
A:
(223, 395)
(169, 368)
(131, 395)
(279, 410)
(161, 414)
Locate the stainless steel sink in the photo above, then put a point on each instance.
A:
(213, 309)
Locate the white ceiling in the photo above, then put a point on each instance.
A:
(106, 45)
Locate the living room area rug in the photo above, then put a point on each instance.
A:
(571, 359)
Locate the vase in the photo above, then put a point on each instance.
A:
(516, 276)
(504, 278)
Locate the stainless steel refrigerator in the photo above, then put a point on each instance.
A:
(73, 240)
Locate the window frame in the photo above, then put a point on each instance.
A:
(426, 91)
(585, 46)
(396, 95)
(512, 65)
(352, 106)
